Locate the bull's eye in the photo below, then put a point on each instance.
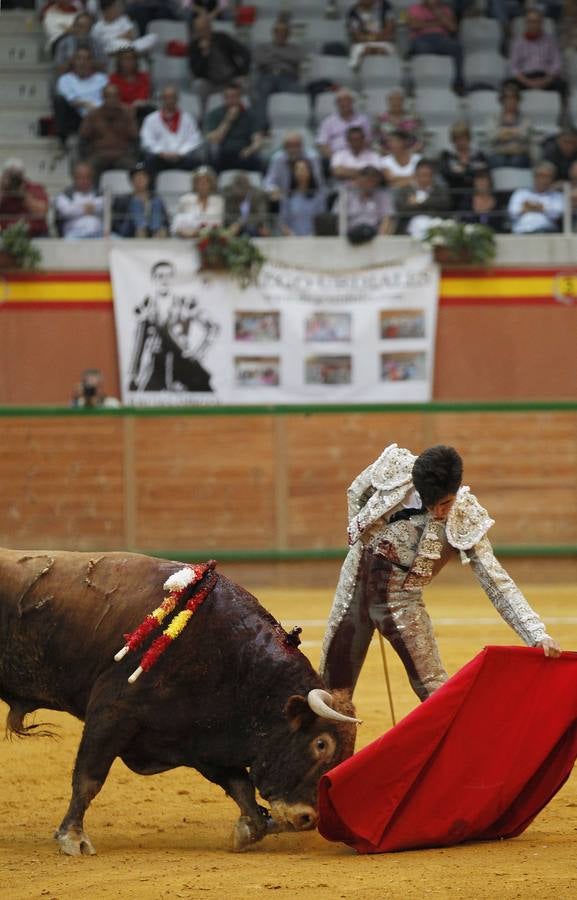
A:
(321, 744)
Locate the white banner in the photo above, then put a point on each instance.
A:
(190, 337)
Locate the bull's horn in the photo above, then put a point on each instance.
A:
(321, 703)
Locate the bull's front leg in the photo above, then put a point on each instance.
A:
(255, 821)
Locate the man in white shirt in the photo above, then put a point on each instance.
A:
(77, 92)
(539, 209)
(345, 164)
(115, 31)
(170, 137)
(80, 208)
(332, 133)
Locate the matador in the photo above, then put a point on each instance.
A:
(408, 516)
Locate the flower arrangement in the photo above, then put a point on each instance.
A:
(455, 242)
(16, 248)
(237, 254)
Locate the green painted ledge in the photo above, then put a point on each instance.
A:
(503, 550)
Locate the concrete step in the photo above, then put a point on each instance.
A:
(26, 86)
(20, 124)
(19, 50)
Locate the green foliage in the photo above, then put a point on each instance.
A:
(235, 254)
(464, 243)
(16, 241)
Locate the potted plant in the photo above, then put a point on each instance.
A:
(16, 248)
(238, 254)
(455, 242)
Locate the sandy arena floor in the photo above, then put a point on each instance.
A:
(167, 836)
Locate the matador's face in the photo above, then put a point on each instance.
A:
(442, 508)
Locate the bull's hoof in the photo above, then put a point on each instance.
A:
(246, 833)
(75, 844)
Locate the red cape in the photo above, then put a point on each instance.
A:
(476, 761)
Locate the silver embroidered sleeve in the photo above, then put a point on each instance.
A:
(505, 595)
(357, 493)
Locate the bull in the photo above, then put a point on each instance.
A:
(233, 697)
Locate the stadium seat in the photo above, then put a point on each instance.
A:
(437, 106)
(543, 108)
(432, 71)
(319, 32)
(190, 103)
(331, 68)
(167, 30)
(115, 181)
(227, 177)
(484, 69)
(507, 178)
(288, 110)
(374, 101)
(383, 72)
(479, 33)
(170, 70)
(171, 185)
(573, 106)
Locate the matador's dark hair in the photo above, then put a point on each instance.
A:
(437, 472)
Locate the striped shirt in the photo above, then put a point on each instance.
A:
(541, 55)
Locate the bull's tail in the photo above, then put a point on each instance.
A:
(15, 726)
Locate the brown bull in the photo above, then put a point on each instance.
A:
(232, 697)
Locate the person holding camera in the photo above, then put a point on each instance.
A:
(89, 392)
(22, 200)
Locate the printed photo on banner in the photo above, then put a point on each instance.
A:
(403, 366)
(257, 371)
(402, 323)
(325, 326)
(256, 326)
(328, 370)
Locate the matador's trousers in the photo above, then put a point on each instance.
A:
(380, 601)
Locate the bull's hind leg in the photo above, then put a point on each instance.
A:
(100, 745)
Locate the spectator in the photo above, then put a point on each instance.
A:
(483, 208)
(77, 92)
(89, 393)
(457, 167)
(276, 67)
(535, 59)
(245, 208)
(537, 210)
(399, 165)
(371, 30)
(170, 137)
(304, 202)
(573, 192)
(115, 31)
(203, 208)
(58, 19)
(357, 155)
(279, 173)
(78, 37)
(216, 58)
(142, 213)
(561, 150)
(332, 133)
(133, 85)
(417, 203)
(368, 202)
(509, 132)
(432, 29)
(22, 200)
(80, 208)
(233, 135)
(397, 118)
(109, 134)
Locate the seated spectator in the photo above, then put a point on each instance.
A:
(116, 32)
(279, 172)
(109, 134)
(399, 164)
(233, 135)
(357, 155)
(397, 118)
(170, 137)
(203, 208)
(371, 30)
(458, 166)
(561, 150)
(509, 133)
(89, 392)
(276, 67)
(133, 85)
(332, 133)
(216, 58)
(141, 214)
(433, 29)
(77, 92)
(57, 19)
(79, 208)
(417, 203)
(22, 200)
(483, 207)
(245, 208)
(79, 37)
(535, 58)
(304, 202)
(537, 210)
(368, 202)
(573, 193)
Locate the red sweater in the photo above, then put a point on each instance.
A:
(130, 91)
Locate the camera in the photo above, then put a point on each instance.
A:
(14, 182)
(89, 391)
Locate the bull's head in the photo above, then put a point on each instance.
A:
(320, 735)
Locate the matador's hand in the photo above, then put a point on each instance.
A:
(550, 647)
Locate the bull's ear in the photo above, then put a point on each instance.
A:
(298, 712)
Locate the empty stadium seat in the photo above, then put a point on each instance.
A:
(331, 68)
(384, 72)
(170, 70)
(116, 181)
(288, 110)
(543, 108)
(479, 33)
(431, 71)
(167, 30)
(171, 185)
(507, 178)
(437, 106)
(191, 104)
(483, 69)
(227, 177)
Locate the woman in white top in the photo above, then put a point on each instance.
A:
(203, 208)
(399, 165)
